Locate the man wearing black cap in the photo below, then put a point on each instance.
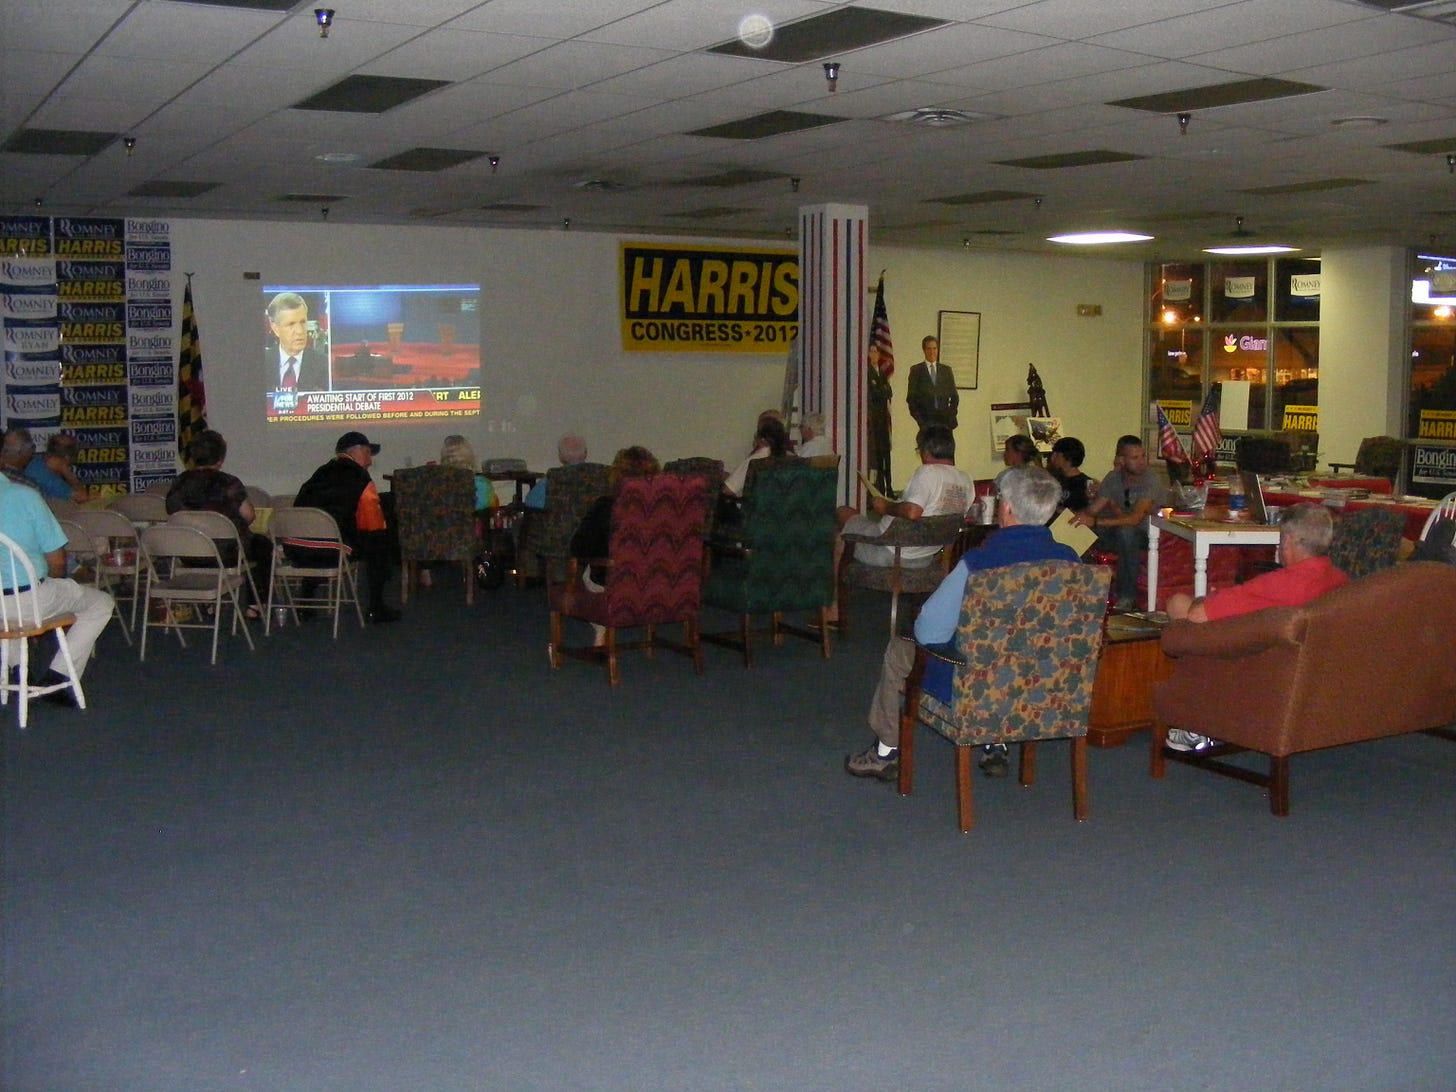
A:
(344, 489)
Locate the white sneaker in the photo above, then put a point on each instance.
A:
(1179, 740)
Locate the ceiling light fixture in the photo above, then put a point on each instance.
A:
(831, 73)
(324, 17)
(129, 143)
(794, 184)
(1254, 248)
(494, 161)
(1451, 162)
(1183, 120)
(1092, 238)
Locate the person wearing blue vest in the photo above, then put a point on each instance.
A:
(1028, 498)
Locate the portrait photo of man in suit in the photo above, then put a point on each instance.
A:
(932, 396)
(293, 362)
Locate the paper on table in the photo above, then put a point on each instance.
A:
(1072, 534)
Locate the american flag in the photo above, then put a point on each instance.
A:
(880, 331)
(1206, 433)
(191, 397)
(1169, 446)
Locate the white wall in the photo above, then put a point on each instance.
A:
(552, 356)
(1092, 367)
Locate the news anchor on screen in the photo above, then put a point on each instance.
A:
(293, 362)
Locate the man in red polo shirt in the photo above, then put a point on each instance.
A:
(1305, 573)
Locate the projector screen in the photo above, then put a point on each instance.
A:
(379, 353)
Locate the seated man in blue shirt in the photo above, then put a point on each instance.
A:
(26, 519)
(54, 472)
(1029, 496)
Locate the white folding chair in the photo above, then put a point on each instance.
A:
(143, 509)
(224, 532)
(1446, 509)
(62, 507)
(259, 497)
(315, 530)
(20, 620)
(119, 568)
(173, 583)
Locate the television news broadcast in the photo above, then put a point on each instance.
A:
(378, 353)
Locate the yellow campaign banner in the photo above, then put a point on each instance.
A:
(708, 299)
(1301, 418)
(1178, 411)
(1437, 424)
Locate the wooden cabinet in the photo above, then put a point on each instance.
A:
(1122, 697)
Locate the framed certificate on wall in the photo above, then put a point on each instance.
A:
(959, 333)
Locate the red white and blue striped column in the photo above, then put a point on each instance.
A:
(834, 332)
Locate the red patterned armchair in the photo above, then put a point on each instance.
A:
(654, 572)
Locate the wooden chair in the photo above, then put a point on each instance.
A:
(786, 561)
(20, 620)
(435, 509)
(546, 535)
(1025, 660)
(897, 578)
(654, 573)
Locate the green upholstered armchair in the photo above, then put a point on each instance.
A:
(786, 559)
(1378, 457)
(1027, 648)
(546, 535)
(435, 509)
(1367, 541)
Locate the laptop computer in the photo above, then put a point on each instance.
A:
(1254, 494)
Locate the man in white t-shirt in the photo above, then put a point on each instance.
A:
(812, 441)
(937, 488)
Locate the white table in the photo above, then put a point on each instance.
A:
(1204, 534)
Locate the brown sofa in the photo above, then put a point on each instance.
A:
(1375, 658)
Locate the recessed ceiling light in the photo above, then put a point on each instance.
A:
(938, 117)
(338, 157)
(1090, 238)
(1359, 122)
(1271, 249)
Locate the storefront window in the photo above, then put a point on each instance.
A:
(1433, 349)
(1296, 378)
(1177, 293)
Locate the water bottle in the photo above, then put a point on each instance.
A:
(1238, 502)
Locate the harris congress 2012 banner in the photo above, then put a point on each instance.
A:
(708, 299)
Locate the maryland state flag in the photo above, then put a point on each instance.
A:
(191, 396)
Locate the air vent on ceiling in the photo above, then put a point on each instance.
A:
(369, 94)
(739, 176)
(58, 142)
(713, 213)
(1318, 185)
(426, 159)
(837, 31)
(1426, 147)
(1090, 158)
(1214, 95)
(982, 197)
(1438, 11)
(772, 123)
(509, 206)
(249, 5)
(311, 198)
(600, 185)
(173, 190)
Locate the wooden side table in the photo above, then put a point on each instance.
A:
(1122, 697)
